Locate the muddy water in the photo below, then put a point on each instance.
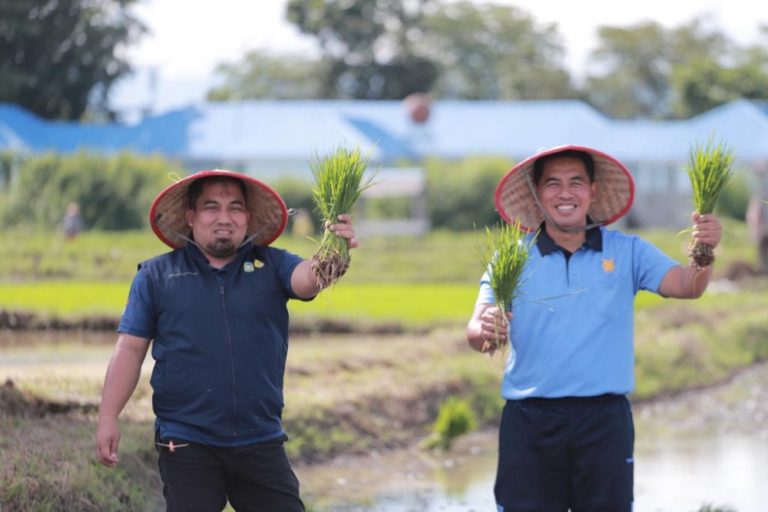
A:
(708, 447)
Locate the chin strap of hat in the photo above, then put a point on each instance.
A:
(291, 213)
(174, 232)
(548, 218)
(250, 238)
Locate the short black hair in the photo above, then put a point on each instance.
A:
(589, 163)
(196, 188)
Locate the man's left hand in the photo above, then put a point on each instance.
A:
(707, 228)
(344, 229)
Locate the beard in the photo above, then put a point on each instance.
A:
(221, 248)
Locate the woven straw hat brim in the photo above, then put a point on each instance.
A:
(268, 213)
(615, 190)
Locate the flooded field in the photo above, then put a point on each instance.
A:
(703, 447)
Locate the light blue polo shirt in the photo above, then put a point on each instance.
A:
(573, 319)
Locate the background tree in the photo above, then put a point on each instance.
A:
(57, 58)
(704, 84)
(634, 65)
(261, 75)
(487, 51)
(367, 46)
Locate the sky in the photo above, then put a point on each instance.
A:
(175, 62)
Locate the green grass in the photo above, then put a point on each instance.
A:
(412, 304)
(409, 304)
(415, 305)
(65, 298)
(415, 281)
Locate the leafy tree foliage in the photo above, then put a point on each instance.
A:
(488, 51)
(388, 49)
(367, 46)
(635, 65)
(261, 75)
(703, 84)
(59, 56)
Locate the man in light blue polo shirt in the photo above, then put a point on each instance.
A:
(566, 436)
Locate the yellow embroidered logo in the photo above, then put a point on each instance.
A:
(609, 265)
(257, 263)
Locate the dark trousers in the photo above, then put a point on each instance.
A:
(255, 478)
(566, 454)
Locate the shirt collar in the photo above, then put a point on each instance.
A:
(198, 254)
(593, 240)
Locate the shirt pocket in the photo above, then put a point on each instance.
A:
(609, 297)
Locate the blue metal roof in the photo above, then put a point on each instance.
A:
(299, 130)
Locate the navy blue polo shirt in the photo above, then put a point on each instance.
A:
(219, 341)
(573, 321)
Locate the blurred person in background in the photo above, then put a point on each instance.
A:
(72, 223)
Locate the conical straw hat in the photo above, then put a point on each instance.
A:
(268, 213)
(615, 190)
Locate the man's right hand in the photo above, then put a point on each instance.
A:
(487, 329)
(493, 328)
(107, 441)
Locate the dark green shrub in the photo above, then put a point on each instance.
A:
(114, 193)
(460, 194)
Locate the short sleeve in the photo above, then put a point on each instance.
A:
(139, 317)
(651, 265)
(286, 262)
(485, 295)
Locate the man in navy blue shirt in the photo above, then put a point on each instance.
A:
(214, 311)
(566, 437)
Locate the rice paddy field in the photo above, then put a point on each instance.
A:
(417, 282)
(345, 393)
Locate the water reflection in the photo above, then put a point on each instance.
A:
(411, 480)
(708, 447)
(683, 473)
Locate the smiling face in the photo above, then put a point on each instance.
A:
(219, 220)
(566, 191)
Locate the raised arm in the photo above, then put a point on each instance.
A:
(122, 376)
(689, 282)
(303, 280)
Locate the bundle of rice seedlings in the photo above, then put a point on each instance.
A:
(710, 168)
(338, 184)
(504, 254)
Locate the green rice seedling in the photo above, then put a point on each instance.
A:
(455, 418)
(504, 254)
(338, 185)
(710, 168)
